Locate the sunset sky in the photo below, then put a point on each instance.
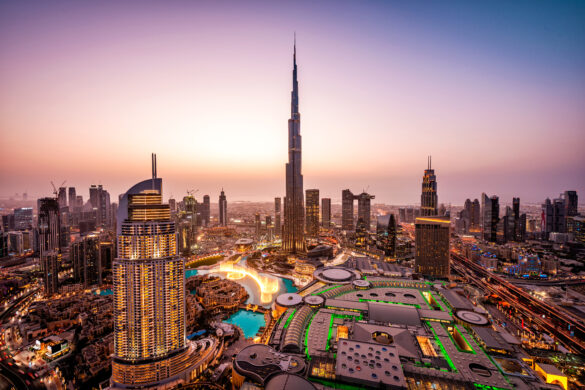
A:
(494, 91)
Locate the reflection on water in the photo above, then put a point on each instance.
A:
(249, 322)
(248, 278)
(267, 284)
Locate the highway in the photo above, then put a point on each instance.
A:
(15, 304)
(560, 283)
(8, 367)
(555, 321)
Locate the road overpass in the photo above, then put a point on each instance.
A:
(556, 322)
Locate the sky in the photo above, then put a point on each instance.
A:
(493, 90)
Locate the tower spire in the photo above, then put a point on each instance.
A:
(295, 90)
(295, 49)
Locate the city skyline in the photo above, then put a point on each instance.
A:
(170, 74)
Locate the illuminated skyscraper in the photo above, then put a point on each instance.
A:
(49, 225)
(223, 220)
(347, 210)
(326, 213)
(432, 246)
(294, 219)
(277, 225)
(312, 215)
(364, 202)
(428, 199)
(150, 347)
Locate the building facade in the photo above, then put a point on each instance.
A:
(49, 225)
(326, 213)
(364, 208)
(312, 212)
(432, 243)
(206, 210)
(277, 217)
(490, 217)
(150, 347)
(347, 210)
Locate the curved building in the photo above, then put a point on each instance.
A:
(150, 347)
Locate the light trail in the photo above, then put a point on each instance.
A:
(268, 286)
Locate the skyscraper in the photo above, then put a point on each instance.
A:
(432, 246)
(386, 234)
(326, 213)
(99, 199)
(206, 210)
(277, 224)
(428, 199)
(62, 197)
(474, 216)
(490, 217)
(294, 219)
(364, 201)
(553, 216)
(269, 228)
(150, 347)
(49, 225)
(347, 210)
(72, 199)
(190, 205)
(257, 224)
(571, 203)
(23, 218)
(222, 209)
(312, 215)
(85, 255)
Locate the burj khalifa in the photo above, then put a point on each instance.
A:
(293, 240)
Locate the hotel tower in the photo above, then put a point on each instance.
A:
(428, 199)
(150, 347)
(293, 240)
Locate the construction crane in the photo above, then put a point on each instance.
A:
(55, 192)
(192, 192)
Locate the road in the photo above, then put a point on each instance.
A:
(13, 376)
(19, 376)
(555, 321)
(15, 304)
